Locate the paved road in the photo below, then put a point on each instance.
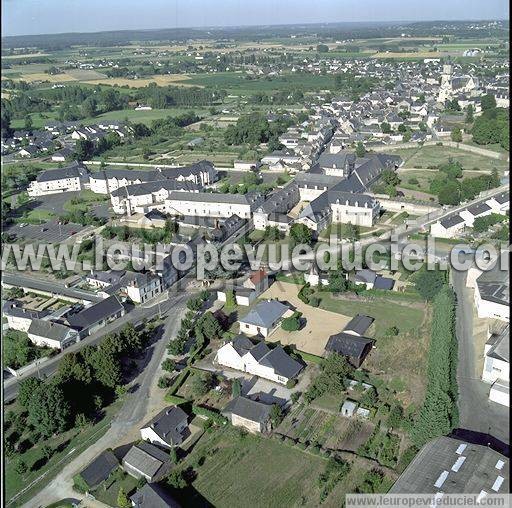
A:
(133, 413)
(51, 286)
(477, 412)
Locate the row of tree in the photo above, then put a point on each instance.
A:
(439, 414)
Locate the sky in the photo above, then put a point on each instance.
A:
(23, 17)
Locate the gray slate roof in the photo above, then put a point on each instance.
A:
(153, 496)
(146, 458)
(49, 330)
(99, 469)
(265, 314)
(95, 313)
(359, 324)
(348, 345)
(249, 409)
(165, 423)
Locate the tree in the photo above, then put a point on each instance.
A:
(173, 455)
(430, 282)
(26, 390)
(176, 480)
(360, 149)
(21, 467)
(46, 452)
(236, 388)
(168, 365)
(276, 415)
(337, 282)
(469, 114)
(292, 323)
(28, 123)
(385, 127)
(322, 48)
(201, 383)
(230, 299)
(456, 135)
(301, 234)
(390, 177)
(89, 106)
(48, 410)
(272, 233)
(84, 149)
(122, 499)
(449, 194)
(488, 102)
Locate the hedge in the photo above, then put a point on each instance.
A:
(308, 357)
(208, 413)
(174, 399)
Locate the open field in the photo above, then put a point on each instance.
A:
(413, 322)
(320, 324)
(85, 74)
(429, 156)
(43, 76)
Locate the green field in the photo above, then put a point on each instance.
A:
(430, 156)
(252, 471)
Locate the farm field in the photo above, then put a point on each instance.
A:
(160, 80)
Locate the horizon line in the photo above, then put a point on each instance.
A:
(206, 27)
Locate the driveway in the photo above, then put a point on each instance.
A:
(477, 412)
(319, 325)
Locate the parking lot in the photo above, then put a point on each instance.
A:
(49, 232)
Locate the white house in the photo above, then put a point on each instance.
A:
(264, 318)
(167, 429)
(207, 204)
(499, 203)
(449, 227)
(258, 359)
(492, 292)
(249, 414)
(19, 317)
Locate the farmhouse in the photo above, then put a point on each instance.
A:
(264, 318)
(153, 496)
(258, 359)
(99, 469)
(19, 317)
(90, 319)
(251, 288)
(167, 429)
(253, 416)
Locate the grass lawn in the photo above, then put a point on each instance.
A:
(36, 216)
(67, 446)
(235, 471)
(107, 492)
(329, 401)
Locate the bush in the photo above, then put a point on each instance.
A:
(292, 323)
(314, 301)
(164, 382)
(291, 383)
